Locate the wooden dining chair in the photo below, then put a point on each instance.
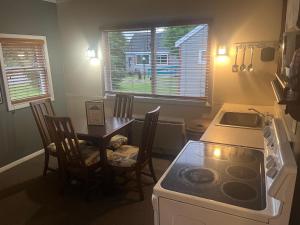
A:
(123, 106)
(40, 108)
(130, 158)
(76, 161)
(123, 109)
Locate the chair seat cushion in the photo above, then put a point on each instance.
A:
(91, 154)
(117, 141)
(52, 147)
(125, 156)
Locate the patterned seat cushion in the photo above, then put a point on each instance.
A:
(52, 147)
(117, 141)
(91, 154)
(125, 156)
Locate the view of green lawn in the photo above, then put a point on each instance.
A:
(165, 84)
(28, 90)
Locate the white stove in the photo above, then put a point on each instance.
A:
(210, 184)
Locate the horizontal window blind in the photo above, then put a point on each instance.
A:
(24, 69)
(163, 61)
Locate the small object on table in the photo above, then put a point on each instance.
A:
(95, 112)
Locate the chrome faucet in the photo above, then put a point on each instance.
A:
(266, 117)
(258, 112)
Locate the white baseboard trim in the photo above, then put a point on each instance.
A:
(20, 161)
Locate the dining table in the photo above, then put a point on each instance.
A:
(101, 134)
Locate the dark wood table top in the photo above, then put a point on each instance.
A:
(93, 132)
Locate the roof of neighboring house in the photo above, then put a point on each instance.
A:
(189, 34)
(138, 40)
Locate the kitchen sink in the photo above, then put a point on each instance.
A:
(241, 120)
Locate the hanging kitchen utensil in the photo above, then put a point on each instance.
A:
(267, 54)
(235, 67)
(243, 67)
(250, 66)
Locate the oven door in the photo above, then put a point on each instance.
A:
(179, 213)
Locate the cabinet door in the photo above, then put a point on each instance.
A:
(292, 15)
(178, 213)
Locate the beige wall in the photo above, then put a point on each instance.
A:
(233, 21)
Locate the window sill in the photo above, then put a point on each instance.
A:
(165, 101)
(23, 105)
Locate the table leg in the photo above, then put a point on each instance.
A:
(108, 173)
(129, 134)
(103, 155)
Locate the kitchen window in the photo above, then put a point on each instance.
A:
(166, 61)
(25, 69)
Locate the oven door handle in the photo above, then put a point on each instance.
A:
(155, 209)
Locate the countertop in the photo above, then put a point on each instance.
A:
(236, 136)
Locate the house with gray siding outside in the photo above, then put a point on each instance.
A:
(189, 64)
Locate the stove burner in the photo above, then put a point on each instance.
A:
(197, 175)
(242, 156)
(241, 172)
(239, 191)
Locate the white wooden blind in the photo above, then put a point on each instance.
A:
(25, 69)
(168, 61)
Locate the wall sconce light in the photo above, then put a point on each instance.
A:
(91, 53)
(222, 54)
(222, 50)
(92, 56)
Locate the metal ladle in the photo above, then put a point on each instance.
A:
(235, 67)
(250, 66)
(243, 67)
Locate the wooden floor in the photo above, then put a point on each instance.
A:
(27, 198)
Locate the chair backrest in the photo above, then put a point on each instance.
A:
(148, 136)
(123, 106)
(40, 108)
(65, 139)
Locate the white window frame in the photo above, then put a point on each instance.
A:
(12, 107)
(141, 64)
(206, 100)
(160, 54)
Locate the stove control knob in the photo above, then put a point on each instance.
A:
(271, 163)
(272, 172)
(270, 141)
(269, 157)
(267, 131)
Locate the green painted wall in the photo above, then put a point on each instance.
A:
(18, 133)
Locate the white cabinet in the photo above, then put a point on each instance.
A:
(179, 213)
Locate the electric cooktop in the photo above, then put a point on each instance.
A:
(229, 174)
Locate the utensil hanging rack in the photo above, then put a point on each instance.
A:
(256, 44)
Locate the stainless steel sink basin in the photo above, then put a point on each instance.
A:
(242, 120)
